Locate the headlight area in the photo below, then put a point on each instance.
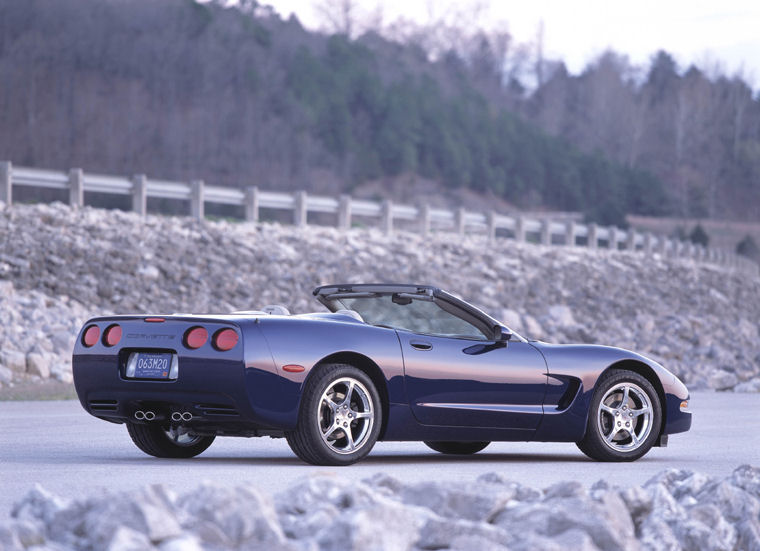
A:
(684, 407)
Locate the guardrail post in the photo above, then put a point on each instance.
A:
(612, 238)
(139, 194)
(197, 209)
(648, 243)
(252, 204)
(662, 245)
(6, 183)
(386, 217)
(546, 234)
(675, 250)
(344, 212)
(570, 233)
(592, 240)
(491, 226)
(425, 219)
(520, 229)
(76, 187)
(459, 217)
(630, 240)
(300, 214)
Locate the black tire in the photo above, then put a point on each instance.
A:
(307, 440)
(457, 448)
(153, 440)
(626, 445)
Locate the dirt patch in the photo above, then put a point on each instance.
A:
(44, 390)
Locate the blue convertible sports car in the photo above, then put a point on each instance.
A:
(387, 362)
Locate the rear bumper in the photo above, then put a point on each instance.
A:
(214, 394)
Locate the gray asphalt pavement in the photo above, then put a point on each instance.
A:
(73, 454)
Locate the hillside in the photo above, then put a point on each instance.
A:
(59, 265)
(178, 90)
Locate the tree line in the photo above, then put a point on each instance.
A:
(240, 96)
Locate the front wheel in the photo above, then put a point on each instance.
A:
(172, 442)
(340, 417)
(624, 418)
(457, 448)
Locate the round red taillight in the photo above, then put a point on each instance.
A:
(90, 336)
(195, 337)
(225, 339)
(112, 335)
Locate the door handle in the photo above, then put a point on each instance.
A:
(421, 345)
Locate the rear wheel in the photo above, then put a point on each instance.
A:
(172, 442)
(457, 448)
(624, 418)
(340, 417)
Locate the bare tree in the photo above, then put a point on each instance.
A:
(338, 16)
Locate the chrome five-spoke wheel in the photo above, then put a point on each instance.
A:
(625, 417)
(346, 415)
(340, 416)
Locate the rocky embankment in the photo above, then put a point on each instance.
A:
(674, 510)
(59, 265)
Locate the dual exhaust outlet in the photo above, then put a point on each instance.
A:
(144, 415)
(177, 416)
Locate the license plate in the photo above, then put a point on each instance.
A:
(152, 365)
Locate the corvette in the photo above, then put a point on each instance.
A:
(384, 362)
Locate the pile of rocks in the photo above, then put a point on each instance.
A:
(698, 320)
(37, 334)
(674, 510)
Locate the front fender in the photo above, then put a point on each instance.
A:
(585, 364)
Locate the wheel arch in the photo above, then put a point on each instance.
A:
(369, 367)
(650, 375)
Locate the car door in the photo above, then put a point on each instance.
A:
(464, 382)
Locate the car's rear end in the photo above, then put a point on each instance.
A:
(172, 370)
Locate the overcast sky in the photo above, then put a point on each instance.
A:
(704, 32)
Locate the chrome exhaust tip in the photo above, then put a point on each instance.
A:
(139, 415)
(149, 416)
(176, 416)
(187, 416)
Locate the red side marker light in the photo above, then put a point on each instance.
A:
(293, 368)
(195, 337)
(225, 339)
(154, 320)
(91, 335)
(112, 335)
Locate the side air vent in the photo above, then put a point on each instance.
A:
(104, 405)
(573, 385)
(217, 409)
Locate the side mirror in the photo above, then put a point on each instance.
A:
(503, 335)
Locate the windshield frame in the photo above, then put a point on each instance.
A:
(331, 295)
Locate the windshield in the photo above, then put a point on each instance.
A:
(418, 316)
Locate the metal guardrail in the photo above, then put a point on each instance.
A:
(252, 199)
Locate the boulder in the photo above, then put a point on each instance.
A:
(14, 360)
(6, 375)
(722, 380)
(38, 364)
